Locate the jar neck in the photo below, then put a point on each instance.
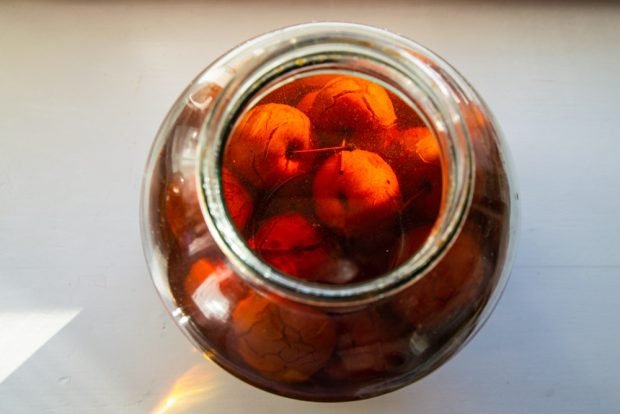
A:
(414, 74)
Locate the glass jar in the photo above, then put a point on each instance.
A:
(309, 339)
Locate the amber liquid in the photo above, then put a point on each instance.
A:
(332, 180)
(296, 170)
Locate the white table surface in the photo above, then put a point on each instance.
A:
(83, 88)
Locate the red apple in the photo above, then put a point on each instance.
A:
(369, 343)
(291, 93)
(212, 291)
(261, 147)
(414, 154)
(406, 117)
(237, 199)
(305, 105)
(447, 289)
(280, 340)
(356, 193)
(350, 108)
(291, 244)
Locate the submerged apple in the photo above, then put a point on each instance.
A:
(262, 146)
(290, 243)
(415, 155)
(356, 192)
(281, 340)
(351, 108)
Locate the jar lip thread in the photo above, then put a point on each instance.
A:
(380, 53)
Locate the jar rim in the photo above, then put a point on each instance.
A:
(429, 81)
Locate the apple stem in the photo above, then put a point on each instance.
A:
(326, 149)
(341, 170)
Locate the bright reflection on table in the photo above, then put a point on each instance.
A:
(190, 390)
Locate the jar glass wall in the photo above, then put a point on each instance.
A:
(308, 339)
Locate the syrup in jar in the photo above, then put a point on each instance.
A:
(336, 183)
(329, 226)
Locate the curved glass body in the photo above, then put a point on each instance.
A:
(309, 339)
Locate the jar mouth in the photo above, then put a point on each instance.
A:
(418, 76)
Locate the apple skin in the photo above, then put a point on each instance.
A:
(293, 245)
(447, 289)
(415, 156)
(281, 340)
(237, 198)
(351, 109)
(356, 193)
(305, 104)
(261, 147)
(370, 342)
